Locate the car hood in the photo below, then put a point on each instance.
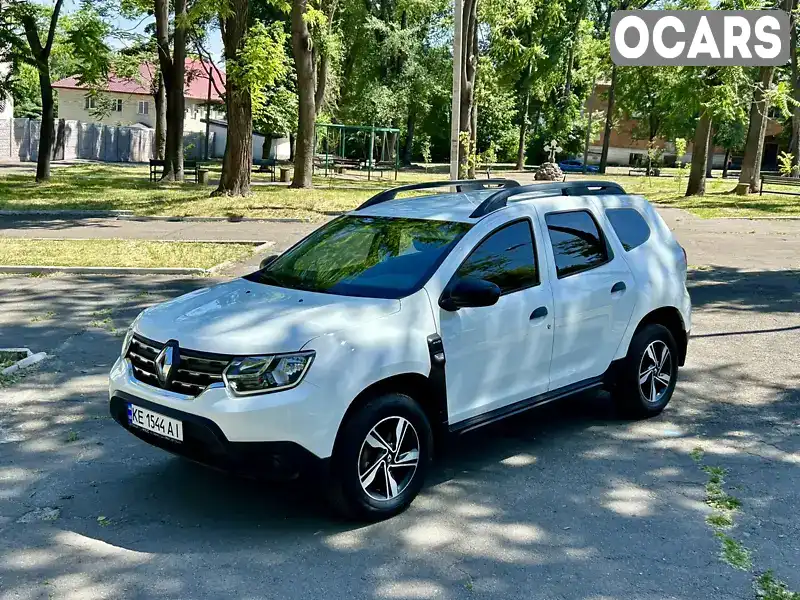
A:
(244, 317)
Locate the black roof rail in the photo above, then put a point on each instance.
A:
(461, 185)
(544, 190)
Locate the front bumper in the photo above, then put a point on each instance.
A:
(204, 442)
(277, 433)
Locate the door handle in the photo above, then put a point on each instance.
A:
(618, 287)
(539, 313)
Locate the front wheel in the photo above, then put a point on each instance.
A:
(647, 375)
(381, 458)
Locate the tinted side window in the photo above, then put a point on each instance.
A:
(631, 228)
(506, 258)
(577, 242)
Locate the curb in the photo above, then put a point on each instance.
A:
(28, 269)
(30, 360)
(122, 215)
(75, 214)
(255, 243)
(776, 218)
(221, 219)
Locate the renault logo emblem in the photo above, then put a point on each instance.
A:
(166, 362)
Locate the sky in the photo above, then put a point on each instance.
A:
(214, 44)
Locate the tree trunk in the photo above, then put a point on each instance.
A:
(725, 162)
(751, 163)
(702, 138)
(408, 147)
(41, 56)
(588, 138)
(47, 130)
(160, 102)
(469, 70)
(523, 130)
(173, 66)
(321, 82)
(710, 156)
(304, 65)
(795, 79)
(235, 179)
(473, 135)
(609, 120)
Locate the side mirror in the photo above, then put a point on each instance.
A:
(470, 292)
(265, 262)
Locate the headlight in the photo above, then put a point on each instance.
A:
(126, 343)
(270, 373)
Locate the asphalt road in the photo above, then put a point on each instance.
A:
(566, 502)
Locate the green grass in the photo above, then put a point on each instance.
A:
(733, 553)
(717, 202)
(115, 187)
(118, 253)
(769, 588)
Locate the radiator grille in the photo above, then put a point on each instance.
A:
(195, 372)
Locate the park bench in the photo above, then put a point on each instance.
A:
(266, 165)
(654, 172)
(772, 180)
(157, 168)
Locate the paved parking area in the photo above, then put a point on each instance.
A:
(564, 502)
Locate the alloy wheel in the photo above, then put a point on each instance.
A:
(655, 371)
(388, 458)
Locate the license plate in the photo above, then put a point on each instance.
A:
(155, 423)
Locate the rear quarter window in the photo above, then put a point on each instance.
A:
(630, 227)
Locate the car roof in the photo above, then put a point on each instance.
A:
(438, 207)
(467, 206)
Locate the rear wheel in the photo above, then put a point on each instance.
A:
(647, 375)
(381, 458)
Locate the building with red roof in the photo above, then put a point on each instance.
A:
(132, 100)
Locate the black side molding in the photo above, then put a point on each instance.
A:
(437, 379)
(523, 405)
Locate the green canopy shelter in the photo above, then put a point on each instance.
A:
(376, 140)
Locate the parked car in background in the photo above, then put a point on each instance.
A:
(358, 351)
(575, 165)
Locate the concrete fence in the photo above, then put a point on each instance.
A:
(19, 140)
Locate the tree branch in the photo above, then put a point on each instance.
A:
(52, 33)
(205, 55)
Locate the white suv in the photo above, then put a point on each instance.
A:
(358, 349)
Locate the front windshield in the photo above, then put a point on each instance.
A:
(377, 257)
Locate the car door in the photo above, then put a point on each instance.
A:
(500, 354)
(593, 290)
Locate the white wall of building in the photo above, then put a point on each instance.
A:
(6, 119)
(279, 148)
(136, 108)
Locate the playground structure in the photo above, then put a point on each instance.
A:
(355, 147)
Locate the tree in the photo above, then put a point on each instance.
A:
(702, 138)
(302, 47)
(172, 63)
(469, 73)
(254, 60)
(525, 42)
(751, 163)
(603, 12)
(652, 97)
(731, 136)
(311, 29)
(28, 36)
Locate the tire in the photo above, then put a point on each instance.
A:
(641, 388)
(366, 452)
